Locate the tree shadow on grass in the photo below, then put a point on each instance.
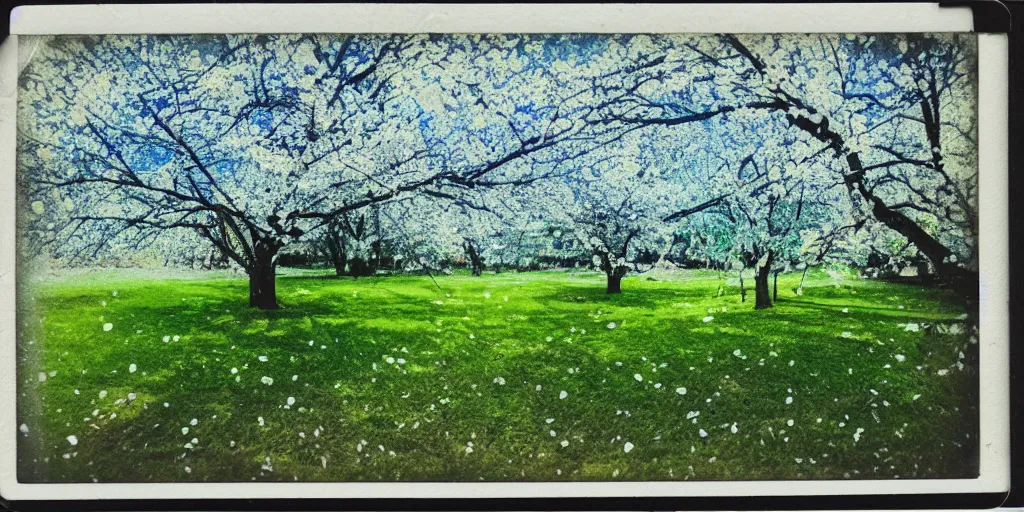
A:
(630, 298)
(890, 311)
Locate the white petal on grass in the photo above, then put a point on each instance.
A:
(628, 447)
(72, 440)
(901, 357)
(108, 326)
(856, 435)
(703, 433)
(789, 400)
(681, 391)
(267, 380)
(42, 376)
(708, 318)
(564, 443)
(562, 395)
(638, 377)
(916, 397)
(263, 359)
(132, 368)
(912, 327)
(942, 372)
(734, 429)
(291, 400)
(23, 428)
(103, 394)
(611, 325)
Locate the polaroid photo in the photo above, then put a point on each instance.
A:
(502, 251)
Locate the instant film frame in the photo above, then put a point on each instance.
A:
(212, 19)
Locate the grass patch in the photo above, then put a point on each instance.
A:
(392, 378)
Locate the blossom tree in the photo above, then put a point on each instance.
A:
(627, 200)
(249, 141)
(898, 113)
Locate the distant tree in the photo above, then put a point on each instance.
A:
(626, 201)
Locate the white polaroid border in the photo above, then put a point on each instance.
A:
(552, 18)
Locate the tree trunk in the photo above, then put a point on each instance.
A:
(208, 260)
(339, 266)
(762, 297)
(358, 267)
(375, 261)
(923, 271)
(775, 287)
(475, 261)
(338, 257)
(800, 287)
(963, 280)
(262, 285)
(337, 251)
(743, 289)
(614, 283)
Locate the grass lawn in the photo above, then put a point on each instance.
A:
(538, 376)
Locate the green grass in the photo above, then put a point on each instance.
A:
(542, 333)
